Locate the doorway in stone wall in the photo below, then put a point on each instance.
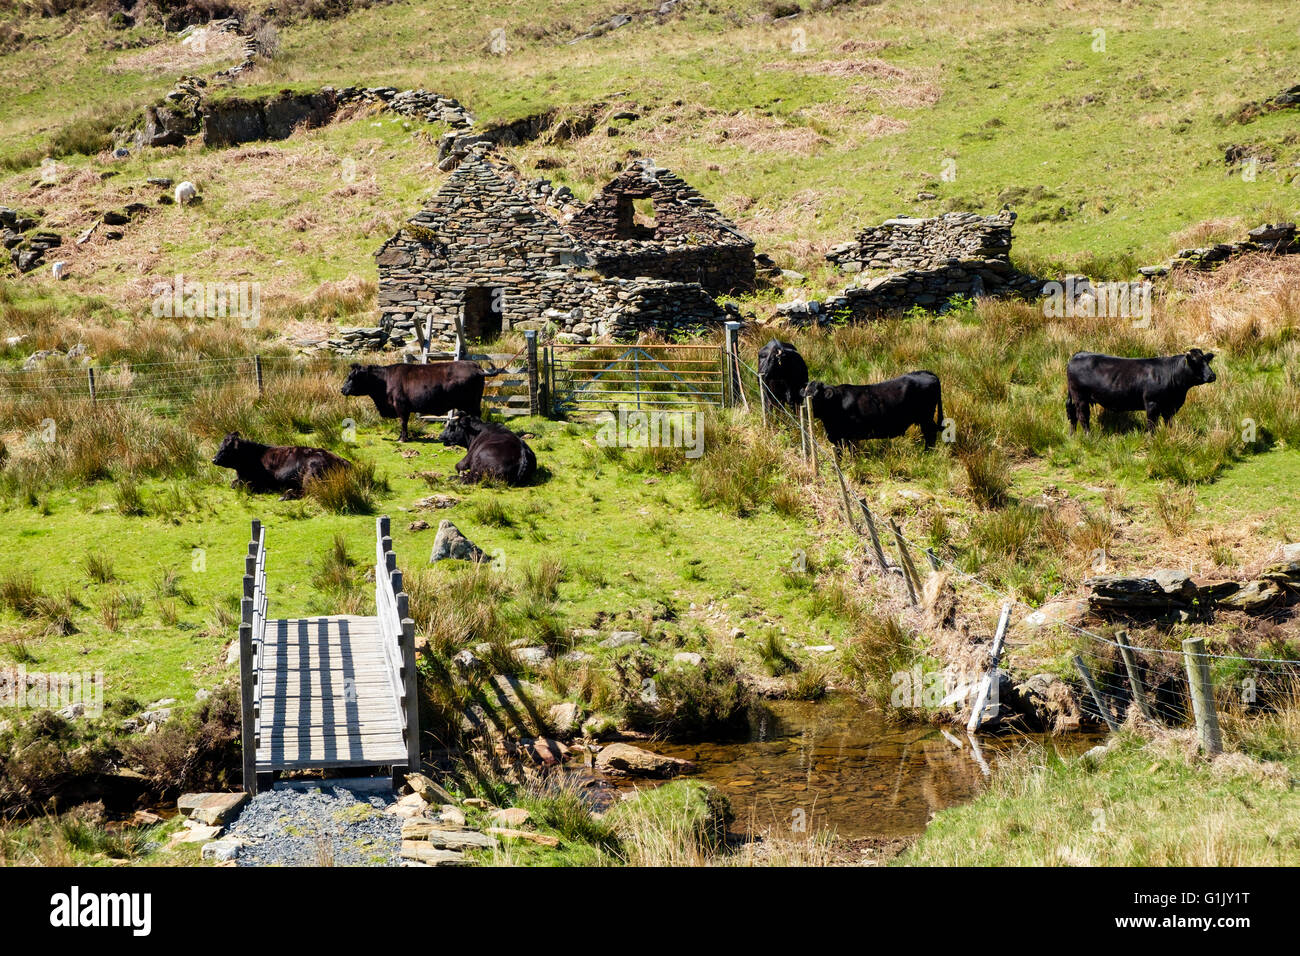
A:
(482, 319)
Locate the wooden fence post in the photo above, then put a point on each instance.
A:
(1134, 681)
(90, 375)
(1202, 690)
(534, 388)
(248, 720)
(257, 373)
(808, 426)
(914, 586)
(986, 686)
(905, 562)
(875, 538)
(844, 488)
(1096, 694)
(762, 400)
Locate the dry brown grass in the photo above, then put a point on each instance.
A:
(203, 51)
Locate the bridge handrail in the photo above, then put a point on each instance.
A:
(252, 636)
(397, 631)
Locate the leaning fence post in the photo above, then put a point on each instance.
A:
(1134, 681)
(1202, 690)
(844, 488)
(875, 538)
(762, 400)
(1096, 694)
(534, 389)
(986, 686)
(90, 375)
(905, 562)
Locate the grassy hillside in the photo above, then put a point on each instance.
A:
(803, 129)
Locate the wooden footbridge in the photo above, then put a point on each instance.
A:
(327, 692)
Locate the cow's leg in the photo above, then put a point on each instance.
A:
(928, 431)
(1071, 413)
(405, 436)
(1153, 415)
(1084, 410)
(462, 464)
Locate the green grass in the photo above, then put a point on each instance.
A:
(199, 554)
(1145, 803)
(1106, 154)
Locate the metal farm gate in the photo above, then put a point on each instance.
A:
(591, 378)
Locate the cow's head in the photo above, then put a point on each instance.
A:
(228, 451)
(359, 381)
(772, 357)
(1198, 364)
(818, 391)
(457, 431)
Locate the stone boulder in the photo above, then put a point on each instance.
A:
(1254, 597)
(626, 760)
(450, 544)
(1048, 701)
(1158, 592)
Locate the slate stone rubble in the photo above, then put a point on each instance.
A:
(26, 246)
(929, 261)
(1173, 595)
(484, 229)
(187, 111)
(1273, 238)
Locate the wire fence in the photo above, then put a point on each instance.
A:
(1113, 673)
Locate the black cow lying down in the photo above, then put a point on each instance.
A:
(274, 467)
(492, 450)
(887, 409)
(406, 388)
(1157, 386)
(782, 371)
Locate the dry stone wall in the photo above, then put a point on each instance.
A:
(930, 261)
(904, 243)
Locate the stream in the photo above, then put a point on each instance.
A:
(840, 764)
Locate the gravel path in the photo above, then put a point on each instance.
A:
(325, 826)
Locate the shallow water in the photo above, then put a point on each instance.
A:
(839, 764)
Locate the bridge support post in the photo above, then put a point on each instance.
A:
(248, 720)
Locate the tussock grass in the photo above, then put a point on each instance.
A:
(347, 490)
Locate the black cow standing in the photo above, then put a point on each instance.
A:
(782, 371)
(887, 409)
(1157, 386)
(284, 468)
(406, 388)
(492, 450)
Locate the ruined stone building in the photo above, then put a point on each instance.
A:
(906, 262)
(483, 254)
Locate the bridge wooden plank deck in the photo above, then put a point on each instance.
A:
(331, 691)
(326, 695)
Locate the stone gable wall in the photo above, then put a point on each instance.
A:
(692, 240)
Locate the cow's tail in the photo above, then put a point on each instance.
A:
(938, 403)
(493, 370)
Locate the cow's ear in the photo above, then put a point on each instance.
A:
(1208, 356)
(356, 366)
